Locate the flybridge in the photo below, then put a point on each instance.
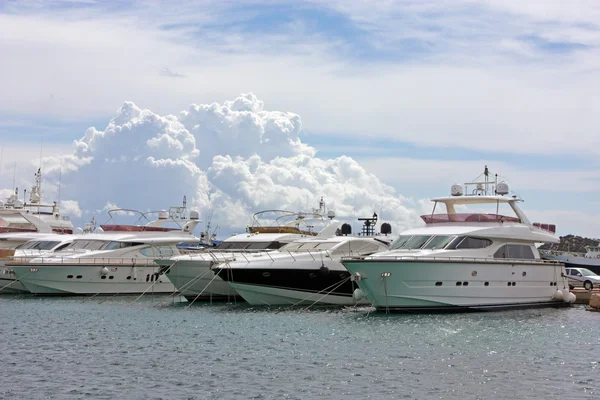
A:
(485, 189)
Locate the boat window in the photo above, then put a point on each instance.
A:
(45, 245)
(517, 251)
(438, 242)
(466, 242)
(474, 243)
(400, 242)
(28, 245)
(86, 244)
(116, 245)
(263, 245)
(157, 251)
(416, 242)
(63, 246)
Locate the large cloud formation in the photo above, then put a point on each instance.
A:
(230, 159)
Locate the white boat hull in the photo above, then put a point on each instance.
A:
(196, 282)
(80, 279)
(402, 285)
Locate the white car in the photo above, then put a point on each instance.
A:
(582, 277)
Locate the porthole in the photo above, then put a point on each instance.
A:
(266, 274)
(524, 273)
(312, 275)
(111, 277)
(69, 276)
(486, 284)
(438, 284)
(465, 283)
(458, 283)
(507, 283)
(514, 283)
(129, 278)
(103, 277)
(79, 276)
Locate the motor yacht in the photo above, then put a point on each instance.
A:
(465, 261)
(270, 230)
(305, 272)
(115, 259)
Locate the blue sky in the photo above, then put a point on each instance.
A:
(431, 87)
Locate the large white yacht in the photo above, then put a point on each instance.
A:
(270, 230)
(306, 272)
(115, 259)
(464, 261)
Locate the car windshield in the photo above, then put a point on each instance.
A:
(587, 272)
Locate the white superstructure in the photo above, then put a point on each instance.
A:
(466, 260)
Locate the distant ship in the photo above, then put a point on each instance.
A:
(589, 260)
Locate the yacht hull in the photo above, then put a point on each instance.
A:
(429, 285)
(8, 281)
(302, 285)
(197, 282)
(81, 279)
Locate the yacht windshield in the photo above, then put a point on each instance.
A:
(416, 242)
(438, 242)
(401, 241)
(308, 246)
(86, 245)
(45, 245)
(587, 272)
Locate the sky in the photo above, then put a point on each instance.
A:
(246, 105)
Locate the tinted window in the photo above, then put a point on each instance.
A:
(517, 251)
(474, 243)
(438, 242)
(400, 242)
(46, 245)
(416, 242)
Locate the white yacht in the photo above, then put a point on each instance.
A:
(115, 259)
(590, 259)
(270, 230)
(306, 272)
(464, 261)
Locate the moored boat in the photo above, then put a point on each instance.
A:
(466, 261)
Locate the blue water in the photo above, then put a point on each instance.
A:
(155, 349)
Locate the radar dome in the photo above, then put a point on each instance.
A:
(194, 214)
(18, 204)
(456, 190)
(98, 230)
(78, 231)
(502, 188)
(163, 215)
(386, 228)
(331, 214)
(346, 229)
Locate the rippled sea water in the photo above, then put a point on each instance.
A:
(57, 348)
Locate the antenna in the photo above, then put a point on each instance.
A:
(60, 178)
(14, 175)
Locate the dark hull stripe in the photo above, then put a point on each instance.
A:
(214, 299)
(303, 280)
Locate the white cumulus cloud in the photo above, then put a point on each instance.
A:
(230, 160)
